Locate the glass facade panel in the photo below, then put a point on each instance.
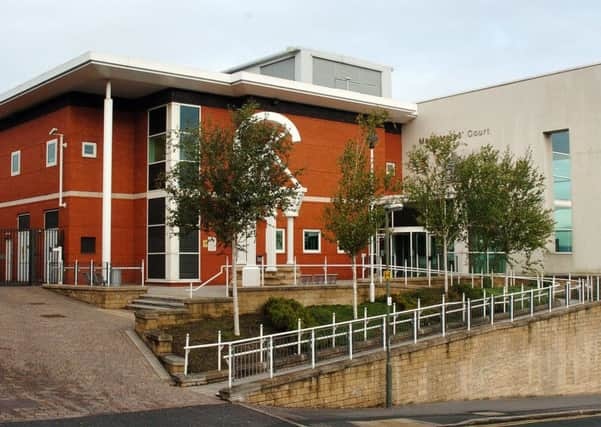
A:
(188, 266)
(156, 266)
(156, 239)
(157, 148)
(189, 118)
(279, 240)
(188, 242)
(563, 219)
(156, 211)
(156, 176)
(560, 142)
(562, 188)
(563, 241)
(157, 121)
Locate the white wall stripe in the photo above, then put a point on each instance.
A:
(83, 194)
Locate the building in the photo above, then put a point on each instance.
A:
(82, 146)
(558, 117)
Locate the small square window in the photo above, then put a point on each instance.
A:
(15, 163)
(311, 241)
(280, 237)
(88, 149)
(51, 154)
(390, 168)
(88, 245)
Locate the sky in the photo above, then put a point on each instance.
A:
(436, 47)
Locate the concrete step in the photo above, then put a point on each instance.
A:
(167, 303)
(137, 306)
(161, 298)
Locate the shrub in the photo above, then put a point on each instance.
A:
(283, 314)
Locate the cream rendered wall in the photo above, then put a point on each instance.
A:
(516, 115)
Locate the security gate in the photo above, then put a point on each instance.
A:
(27, 256)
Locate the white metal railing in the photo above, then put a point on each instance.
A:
(94, 274)
(224, 269)
(305, 347)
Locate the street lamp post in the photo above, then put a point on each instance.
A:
(372, 139)
(388, 304)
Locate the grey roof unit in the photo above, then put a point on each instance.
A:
(323, 69)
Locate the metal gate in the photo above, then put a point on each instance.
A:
(27, 256)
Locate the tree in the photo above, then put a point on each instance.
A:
(353, 217)
(233, 176)
(431, 188)
(504, 198)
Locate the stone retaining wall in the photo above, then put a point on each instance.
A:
(555, 353)
(103, 297)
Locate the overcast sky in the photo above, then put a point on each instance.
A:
(435, 47)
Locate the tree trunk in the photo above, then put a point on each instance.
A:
(354, 286)
(235, 289)
(445, 260)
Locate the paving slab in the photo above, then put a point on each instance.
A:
(64, 358)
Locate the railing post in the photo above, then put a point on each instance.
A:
(472, 276)
(550, 296)
(270, 356)
(91, 272)
(219, 350)
(531, 302)
(313, 348)
(109, 270)
(260, 342)
(405, 270)
(522, 297)
(262, 271)
(394, 319)
(598, 298)
(463, 307)
(325, 270)
(419, 312)
(484, 303)
(415, 320)
(333, 329)
(469, 314)
(511, 307)
(186, 352)
(443, 317)
(230, 365)
(384, 331)
(190, 289)
(298, 337)
(350, 340)
(47, 269)
(567, 294)
(227, 275)
(492, 309)
(142, 271)
(430, 272)
(76, 272)
(364, 323)
(581, 291)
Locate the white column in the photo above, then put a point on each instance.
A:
(290, 242)
(270, 234)
(107, 176)
(171, 160)
(251, 275)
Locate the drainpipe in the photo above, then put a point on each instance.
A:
(107, 175)
(62, 146)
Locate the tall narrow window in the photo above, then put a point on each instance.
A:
(15, 163)
(562, 190)
(51, 153)
(157, 147)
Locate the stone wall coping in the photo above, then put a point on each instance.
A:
(83, 288)
(316, 287)
(199, 300)
(238, 391)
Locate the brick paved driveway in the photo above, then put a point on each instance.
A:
(80, 364)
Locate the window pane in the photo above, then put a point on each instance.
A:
(51, 153)
(563, 241)
(561, 165)
(560, 142)
(311, 240)
(156, 176)
(23, 222)
(279, 240)
(87, 245)
(156, 148)
(562, 189)
(188, 266)
(15, 162)
(156, 266)
(156, 239)
(157, 120)
(188, 118)
(563, 219)
(156, 211)
(188, 242)
(51, 219)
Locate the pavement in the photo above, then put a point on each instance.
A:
(483, 412)
(63, 358)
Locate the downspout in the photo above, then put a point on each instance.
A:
(107, 175)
